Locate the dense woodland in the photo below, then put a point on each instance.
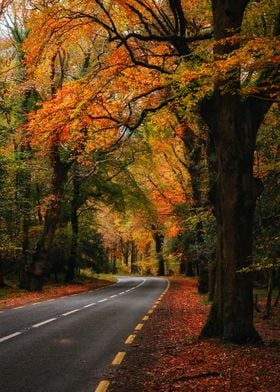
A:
(142, 136)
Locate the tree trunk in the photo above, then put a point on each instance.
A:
(234, 204)
(72, 262)
(159, 240)
(2, 282)
(268, 304)
(233, 123)
(134, 254)
(195, 146)
(189, 268)
(183, 264)
(203, 281)
(114, 262)
(40, 264)
(25, 180)
(212, 278)
(126, 249)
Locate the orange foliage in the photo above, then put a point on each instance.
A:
(130, 76)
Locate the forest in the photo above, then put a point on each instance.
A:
(142, 137)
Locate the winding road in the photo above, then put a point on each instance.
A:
(66, 344)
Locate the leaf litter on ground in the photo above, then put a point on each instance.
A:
(169, 356)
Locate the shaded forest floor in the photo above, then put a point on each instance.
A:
(167, 355)
(13, 296)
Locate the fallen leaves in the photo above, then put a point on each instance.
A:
(50, 291)
(170, 357)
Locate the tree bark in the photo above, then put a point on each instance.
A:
(134, 255)
(24, 179)
(233, 123)
(234, 203)
(159, 240)
(212, 278)
(40, 263)
(72, 262)
(2, 282)
(183, 262)
(125, 251)
(268, 304)
(194, 147)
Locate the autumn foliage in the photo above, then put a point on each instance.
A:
(128, 141)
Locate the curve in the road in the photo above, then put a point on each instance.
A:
(66, 344)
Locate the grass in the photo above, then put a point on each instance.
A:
(4, 292)
(88, 274)
(11, 288)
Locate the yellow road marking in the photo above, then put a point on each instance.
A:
(102, 386)
(130, 339)
(118, 358)
(145, 318)
(139, 327)
(168, 286)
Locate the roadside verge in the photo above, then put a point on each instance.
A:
(168, 356)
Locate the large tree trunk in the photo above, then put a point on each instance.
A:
(40, 264)
(233, 124)
(234, 203)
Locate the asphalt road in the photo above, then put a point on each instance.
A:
(66, 344)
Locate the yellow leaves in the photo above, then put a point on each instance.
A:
(127, 18)
(193, 83)
(52, 30)
(250, 61)
(188, 76)
(252, 57)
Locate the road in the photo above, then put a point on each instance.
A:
(66, 344)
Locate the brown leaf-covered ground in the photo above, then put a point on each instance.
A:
(168, 356)
(17, 297)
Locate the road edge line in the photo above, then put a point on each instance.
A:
(130, 339)
(102, 386)
(119, 358)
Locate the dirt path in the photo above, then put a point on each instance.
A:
(167, 356)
